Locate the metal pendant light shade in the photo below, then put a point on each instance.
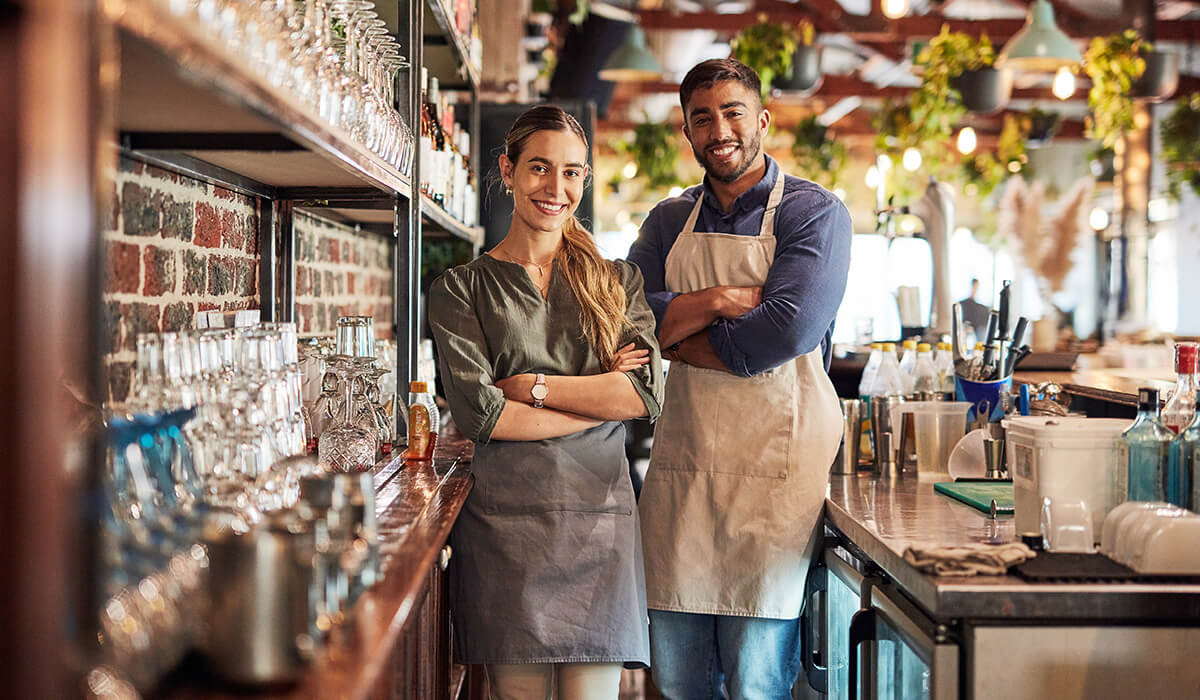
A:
(1040, 46)
(631, 61)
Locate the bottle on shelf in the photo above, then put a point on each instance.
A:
(925, 377)
(908, 362)
(423, 420)
(1186, 462)
(944, 364)
(1148, 446)
(1180, 408)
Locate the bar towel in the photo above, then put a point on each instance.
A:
(968, 559)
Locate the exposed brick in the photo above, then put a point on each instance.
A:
(124, 272)
(112, 213)
(345, 256)
(140, 209)
(178, 316)
(195, 272)
(232, 233)
(208, 226)
(221, 275)
(246, 278)
(328, 283)
(250, 224)
(301, 280)
(304, 314)
(308, 247)
(126, 164)
(159, 265)
(227, 195)
(315, 280)
(207, 306)
(177, 219)
(139, 317)
(120, 380)
(350, 283)
(112, 327)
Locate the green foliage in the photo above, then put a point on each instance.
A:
(1181, 145)
(818, 157)
(655, 151)
(987, 171)
(1113, 63)
(767, 48)
(935, 107)
(441, 254)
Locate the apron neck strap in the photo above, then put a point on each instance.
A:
(768, 222)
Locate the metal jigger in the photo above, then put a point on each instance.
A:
(881, 422)
(849, 452)
(993, 457)
(886, 466)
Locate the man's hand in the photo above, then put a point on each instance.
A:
(628, 359)
(518, 387)
(731, 302)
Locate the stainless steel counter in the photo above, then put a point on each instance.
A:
(882, 518)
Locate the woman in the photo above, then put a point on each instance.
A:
(544, 348)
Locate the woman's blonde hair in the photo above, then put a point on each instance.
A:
(593, 279)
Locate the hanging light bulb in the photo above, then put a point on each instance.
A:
(873, 177)
(1064, 83)
(912, 159)
(894, 9)
(1098, 219)
(966, 140)
(884, 163)
(630, 170)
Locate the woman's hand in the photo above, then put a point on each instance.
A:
(628, 359)
(518, 387)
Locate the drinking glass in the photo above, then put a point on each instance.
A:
(347, 447)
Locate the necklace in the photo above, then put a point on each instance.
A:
(539, 266)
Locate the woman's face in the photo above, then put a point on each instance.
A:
(547, 180)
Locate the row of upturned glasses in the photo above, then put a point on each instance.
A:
(335, 57)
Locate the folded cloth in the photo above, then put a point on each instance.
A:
(968, 559)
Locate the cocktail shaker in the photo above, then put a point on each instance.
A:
(851, 448)
(881, 423)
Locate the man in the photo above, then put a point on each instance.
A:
(975, 313)
(745, 273)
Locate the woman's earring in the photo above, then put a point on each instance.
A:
(508, 190)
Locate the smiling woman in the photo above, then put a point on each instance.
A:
(545, 348)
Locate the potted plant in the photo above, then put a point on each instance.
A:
(1040, 126)
(1102, 163)
(960, 67)
(767, 48)
(983, 172)
(655, 151)
(804, 75)
(1161, 77)
(1113, 63)
(818, 157)
(1180, 133)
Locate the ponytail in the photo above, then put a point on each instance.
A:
(597, 287)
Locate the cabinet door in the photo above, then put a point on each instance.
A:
(843, 598)
(912, 658)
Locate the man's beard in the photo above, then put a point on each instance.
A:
(751, 151)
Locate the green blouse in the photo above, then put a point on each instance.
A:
(490, 322)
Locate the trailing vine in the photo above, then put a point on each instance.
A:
(1181, 145)
(1113, 63)
(818, 157)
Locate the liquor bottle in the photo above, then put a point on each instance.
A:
(925, 379)
(1186, 461)
(437, 141)
(1148, 445)
(1178, 412)
(908, 362)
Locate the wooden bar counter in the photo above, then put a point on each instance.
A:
(395, 642)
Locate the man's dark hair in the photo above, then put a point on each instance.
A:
(715, 70)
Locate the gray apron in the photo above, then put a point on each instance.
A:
(739, 467)
(547, 564)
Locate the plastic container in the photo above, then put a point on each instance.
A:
(1067, 458)
(985, 396)
(939, 426)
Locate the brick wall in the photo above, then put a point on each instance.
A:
(175, 246)
(341, 273)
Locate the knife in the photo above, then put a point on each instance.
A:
(1018, 337)
(989, 348)
(1005, 294)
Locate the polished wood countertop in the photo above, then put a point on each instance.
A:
(883, 517)
(417, 504)
(1118, 386)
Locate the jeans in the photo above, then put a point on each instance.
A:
(692, 656)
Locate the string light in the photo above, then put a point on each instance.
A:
(1064, 83)
(912, 159)
(873, 177)
(894, 9)
(966, 140)
(630, 170)
(1098, 219)
(675, 191)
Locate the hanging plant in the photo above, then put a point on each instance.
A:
(818, 157)
(655, 151)
(1113, 63)
(983, 172)
(1040, 126)
(767, 47)
(937, 106)
(1180, 133)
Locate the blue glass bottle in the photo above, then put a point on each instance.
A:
(1148, 443)
(1186, 462)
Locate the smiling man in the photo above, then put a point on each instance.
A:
(744, 273)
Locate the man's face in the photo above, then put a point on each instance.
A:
(725, 124)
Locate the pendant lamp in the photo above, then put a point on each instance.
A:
(1040, 46)
(632, 62)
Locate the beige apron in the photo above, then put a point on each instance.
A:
(738, 472)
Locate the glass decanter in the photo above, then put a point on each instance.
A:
(345, 446)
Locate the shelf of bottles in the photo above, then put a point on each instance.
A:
(444, 148)
(456, 18)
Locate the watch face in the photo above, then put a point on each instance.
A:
(539, 391)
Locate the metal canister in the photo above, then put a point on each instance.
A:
(850, 450)
(881, 422)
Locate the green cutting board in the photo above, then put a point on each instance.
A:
(979, 494)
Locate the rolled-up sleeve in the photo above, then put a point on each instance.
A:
(647, 379)
(475, 402)
(801, 294)
(648, 254)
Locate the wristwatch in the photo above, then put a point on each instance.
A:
(539, 391)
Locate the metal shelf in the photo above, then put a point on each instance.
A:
(443, 221)
(187, 103)
(459, 44)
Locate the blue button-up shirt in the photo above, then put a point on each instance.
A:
(804, 287)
